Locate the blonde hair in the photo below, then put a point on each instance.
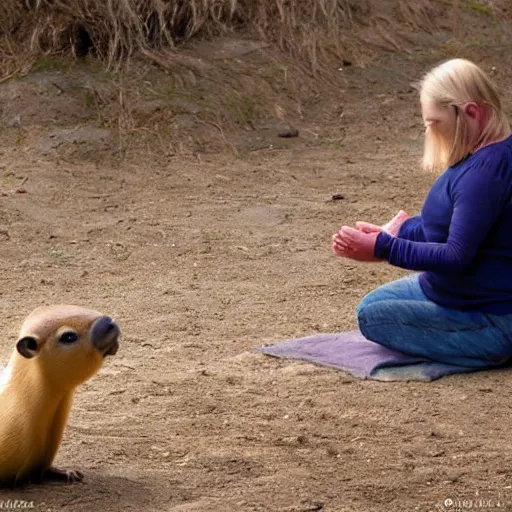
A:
(454, 83)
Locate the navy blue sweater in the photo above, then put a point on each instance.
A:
(463, 238)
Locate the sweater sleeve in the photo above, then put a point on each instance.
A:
(412, 229)
(478, 197)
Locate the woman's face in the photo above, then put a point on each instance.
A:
(439, 119)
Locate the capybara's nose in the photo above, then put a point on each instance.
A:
(105, 335)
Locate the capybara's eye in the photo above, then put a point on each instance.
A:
(69, 337)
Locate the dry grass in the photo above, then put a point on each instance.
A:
(115, 29)
(214, 99)
(314, 31)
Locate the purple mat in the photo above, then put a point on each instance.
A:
(352, 352)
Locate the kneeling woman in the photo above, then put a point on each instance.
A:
(458, 310)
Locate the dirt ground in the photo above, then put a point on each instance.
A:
(201, 257)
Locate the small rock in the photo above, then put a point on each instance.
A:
(287, 131)
(332, 451)
(293, 440)
(453, 475)
(15, 122)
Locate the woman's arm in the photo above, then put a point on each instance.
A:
(412, 229)
(479, 197)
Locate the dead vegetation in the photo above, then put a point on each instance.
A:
(113, 30)
(314, 31)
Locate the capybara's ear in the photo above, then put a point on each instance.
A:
(27, 346)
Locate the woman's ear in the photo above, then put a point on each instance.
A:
(472, 110)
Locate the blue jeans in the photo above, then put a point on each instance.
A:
(399, 316)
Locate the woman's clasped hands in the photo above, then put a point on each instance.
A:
(359, 243)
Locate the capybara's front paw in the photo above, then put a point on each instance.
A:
(63, 475)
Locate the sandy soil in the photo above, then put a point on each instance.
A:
(201, 258)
